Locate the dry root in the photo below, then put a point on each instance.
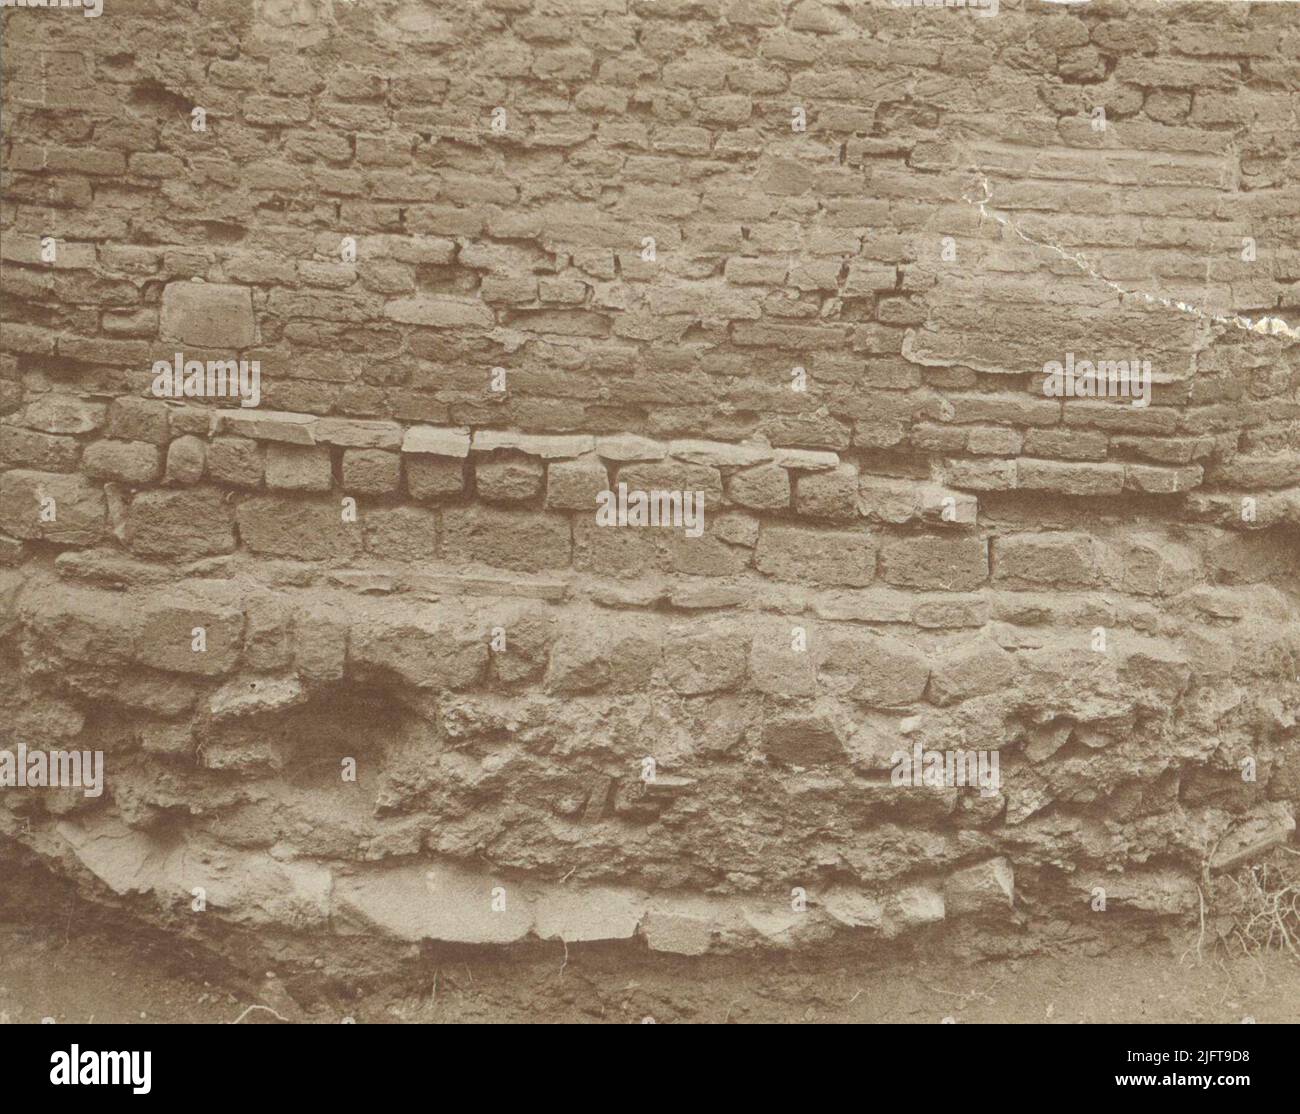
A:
(1257, 908)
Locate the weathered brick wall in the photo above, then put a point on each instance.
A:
(838, 337)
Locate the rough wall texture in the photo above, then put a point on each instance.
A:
(431, 225)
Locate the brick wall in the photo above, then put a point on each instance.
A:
(430, 226)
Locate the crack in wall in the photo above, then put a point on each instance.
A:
(1264, 326)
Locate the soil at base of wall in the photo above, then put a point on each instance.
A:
(89, 975)
(78, 961)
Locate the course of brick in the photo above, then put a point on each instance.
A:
(494, 258)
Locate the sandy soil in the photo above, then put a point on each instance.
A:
(96, 978)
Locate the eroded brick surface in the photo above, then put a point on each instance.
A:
(505, 266)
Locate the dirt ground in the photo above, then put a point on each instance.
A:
(93, 978)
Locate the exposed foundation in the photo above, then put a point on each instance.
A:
(383, 656)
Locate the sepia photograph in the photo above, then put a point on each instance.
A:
(708, 512)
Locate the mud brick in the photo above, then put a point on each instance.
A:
(186, 459)
(636, 654)
(433, 477)
(29, 249)
(354, 433)
(803, 738)
(269, 425)
(303, 529)
(529, 636)
(1070, 479)
(1152, 566)
(24, 448)
(721, 454)
(52, 507)
(54, 78)
(401, 533)
(62, 413)
(298, 467)
(544, 445)
(574, 484)
(171, 740)
(320, 642)
(499, 289)
(1120, 417)
(82, 624)
(994, 441)
(508, 477)
(196, 421)
(437, 441)
(180, 524)
(207, 315)
(413, 644)
(776, 668)
(970, 669)
(706, 659)
(672, 475)
(28, 339)
(440, 312)
(134, 462)
(1013, 409)
(941, 506)
(762, 488)
(879, 671)
(371, 471)
(1066, 444)
(579, 662)
(879, 434)
(736, 529)
(939, 438)
(267, 635)
(703, 556)
(236, 461)
(987, 887)
(167, 636)
(982, 475)
(526, 541)
(1163, 450)
(628, 552)
(628, 447)
(832, 494)
(826, 557)
(1162, 481)
(12, 553)
(1064, 559)
(866, 278)
(139, 419)
(104, 350)
(935, 563)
